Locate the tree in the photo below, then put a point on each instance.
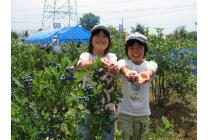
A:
(89, 20)
(141, 29)
(14, 35)
(182, 34)
(118, 42)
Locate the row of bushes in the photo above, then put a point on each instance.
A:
(49, 101)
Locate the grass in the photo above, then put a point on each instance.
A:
(182, 116)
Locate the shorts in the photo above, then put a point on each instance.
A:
(133, 126)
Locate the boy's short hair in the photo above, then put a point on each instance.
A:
(95, 30)
(138, 38)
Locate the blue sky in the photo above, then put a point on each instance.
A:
(168, 14)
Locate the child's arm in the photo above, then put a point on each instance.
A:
(145, 76)
(141, 77)
(124, 70)
(84, 64)
(84, 61)
(129, 74)
(110, 65)
(148, 75)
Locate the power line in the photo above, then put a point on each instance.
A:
(162, 12)
(129, 11)
(25, 22)
(119, 2)
(152, 14)
(152, 11)
(131, 17)
(94, 5)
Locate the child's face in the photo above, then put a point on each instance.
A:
(136, 53)
(100, 42)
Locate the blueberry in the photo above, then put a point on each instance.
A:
(51, 134)
(70, 77)
(27, 83)
(88, 89)
(42, 134)
(37, 117)
(60, 121)
(49, 63)
(70, 71)
(63, 79)
(28, 111)
(58, 67)
(84, 98)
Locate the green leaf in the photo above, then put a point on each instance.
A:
(80, 74)
(64, 61)
(17, 82)
(97, 63)
(158, 131)
(166, 123)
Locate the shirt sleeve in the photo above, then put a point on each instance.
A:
(152, 65)
(112, 58)
(121, 63)
(84, 56)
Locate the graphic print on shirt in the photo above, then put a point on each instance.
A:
(135, 91)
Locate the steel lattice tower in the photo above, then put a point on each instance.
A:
(59, 13)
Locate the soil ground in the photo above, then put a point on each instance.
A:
(182, 116)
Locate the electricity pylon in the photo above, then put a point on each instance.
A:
(59, 13)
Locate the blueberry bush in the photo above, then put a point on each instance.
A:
(50, 101)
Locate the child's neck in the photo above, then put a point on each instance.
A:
(138, 63)
(100, 54)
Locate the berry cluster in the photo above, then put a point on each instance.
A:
(87, 90)
(63, 79)
(27, 83)
(71, 73)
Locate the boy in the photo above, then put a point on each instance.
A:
(136, 75)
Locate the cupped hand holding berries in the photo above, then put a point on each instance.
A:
(141, 77)
(109, 67)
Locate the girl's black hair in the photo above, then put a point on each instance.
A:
(95, 32)
(131, 42)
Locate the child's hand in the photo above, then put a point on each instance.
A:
(84, 64)
(109, 67)
(131, 76)
(104, 61)
(140, 78)
(143, 77)
(112, 68)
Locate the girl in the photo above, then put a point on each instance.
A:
(137, 74)
(99, 46)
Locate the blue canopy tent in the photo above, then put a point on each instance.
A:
(42, 37)
(75, 34)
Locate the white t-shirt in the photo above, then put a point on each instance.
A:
(112, 58)
(87, 56)
(135, 101)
